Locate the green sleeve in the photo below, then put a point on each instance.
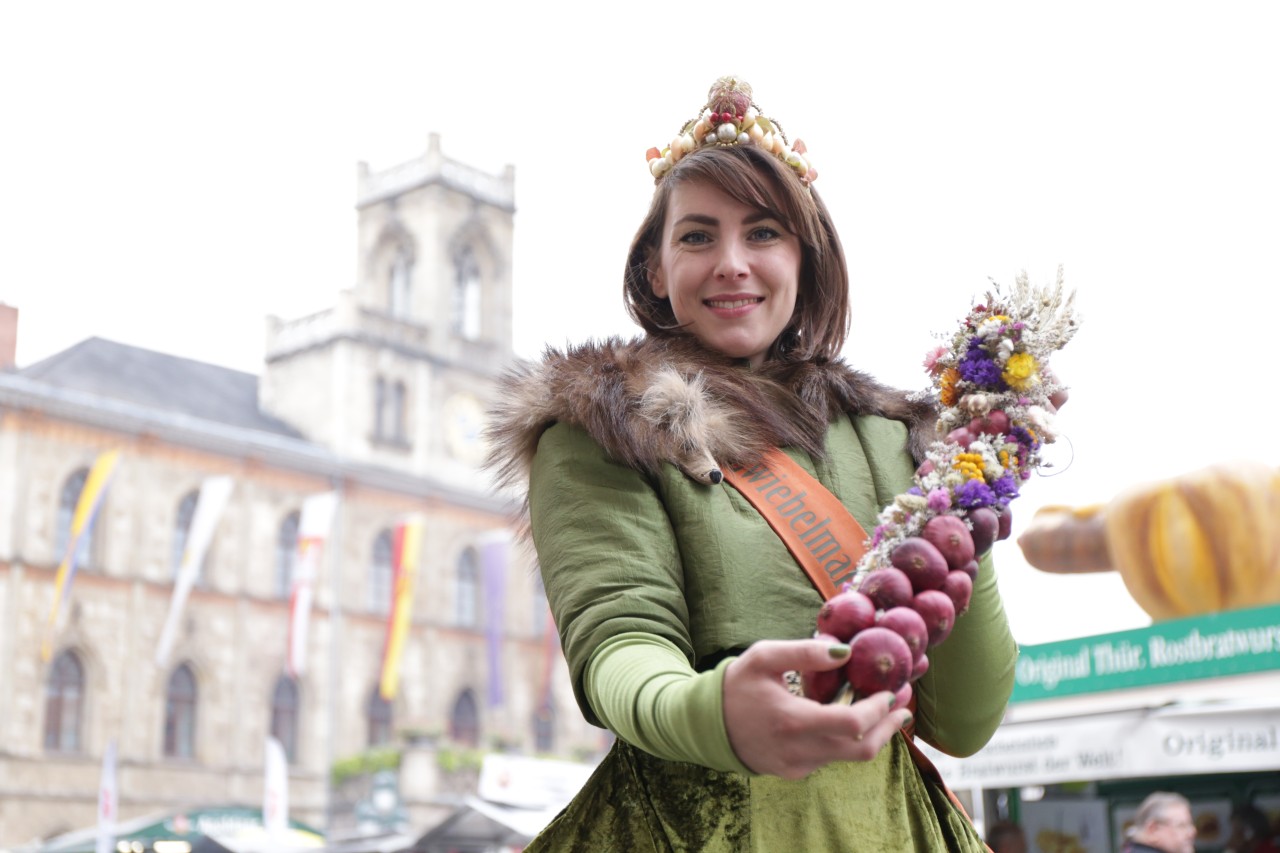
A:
(961, 700)
(644, 690)
(608, 555)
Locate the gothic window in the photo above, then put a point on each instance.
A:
(466, 297)
(379, 408)
(378, 716)
(464, 722)
(286, 554)
(398, 411)
(381, 574)
(67, 500)
(390, 411)
(400, 285)
(544, 727)
(468, 598)
(64, 704)
(181, 530)
(180, 714)
(284, 716)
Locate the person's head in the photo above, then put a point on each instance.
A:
(1005, 836)
(1249, 828)
(735, 221)
(1164, 822)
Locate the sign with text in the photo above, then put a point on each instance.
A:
(1234, 642)
(1171, 741)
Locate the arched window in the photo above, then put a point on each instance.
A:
(464, 722)
(544, 727)
(64, 704)
(67, 500)
(284, 716)
(379, 408)
(381, 574)
(400, 285)
(398, 397)
(468, 599)
(180, 714)
(181, 530)
(378, 715)
(286, 554)
(466, 297)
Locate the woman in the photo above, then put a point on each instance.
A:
(679, 609)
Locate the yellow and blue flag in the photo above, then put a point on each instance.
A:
(406, 546)
(95, 488)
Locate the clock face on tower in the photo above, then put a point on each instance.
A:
(463, 425)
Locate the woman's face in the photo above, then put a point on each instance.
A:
(730, 271)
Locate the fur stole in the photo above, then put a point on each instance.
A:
(654, 400)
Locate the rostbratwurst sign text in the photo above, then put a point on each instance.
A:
(1229, 643)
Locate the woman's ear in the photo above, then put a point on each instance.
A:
(656, 284)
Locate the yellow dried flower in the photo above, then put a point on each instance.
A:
(1021, 371)
(970, 465)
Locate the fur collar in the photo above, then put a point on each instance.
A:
(654, 400)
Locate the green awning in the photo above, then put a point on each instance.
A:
(237, 829)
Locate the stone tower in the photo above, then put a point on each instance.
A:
(397, 374)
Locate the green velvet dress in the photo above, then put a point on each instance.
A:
(697, 567)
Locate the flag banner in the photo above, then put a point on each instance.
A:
(313, 530)
(495, 548)
(108, 801)
(214, 494)
(406, 546)
(86, 512)
(275, 791)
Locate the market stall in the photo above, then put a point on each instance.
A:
(1191, 705)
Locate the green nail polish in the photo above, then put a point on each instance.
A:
(893, 701)
(906, 721)
(838, 650)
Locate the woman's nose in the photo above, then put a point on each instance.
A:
(732, 263)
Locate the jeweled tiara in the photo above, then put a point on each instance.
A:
(729, 118)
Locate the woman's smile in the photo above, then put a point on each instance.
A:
(732, 306)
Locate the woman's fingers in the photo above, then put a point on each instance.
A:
(773, 731)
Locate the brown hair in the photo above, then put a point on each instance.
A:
(751, 177)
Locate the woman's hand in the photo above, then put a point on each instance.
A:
(773, 731)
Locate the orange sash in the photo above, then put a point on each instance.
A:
(819, 532)
(824, 538)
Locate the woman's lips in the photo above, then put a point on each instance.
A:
(732, 306)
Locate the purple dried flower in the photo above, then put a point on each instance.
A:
(974, 493)
(1023, 436)
(1006, 489)
(980, 368)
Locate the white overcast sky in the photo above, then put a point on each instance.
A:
(173, 172)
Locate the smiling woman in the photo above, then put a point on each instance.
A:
(681, 612)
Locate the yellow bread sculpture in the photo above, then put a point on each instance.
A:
(1197, 543)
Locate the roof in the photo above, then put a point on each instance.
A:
(159, 381)
(479, 822)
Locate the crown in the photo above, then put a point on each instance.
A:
(729, 118)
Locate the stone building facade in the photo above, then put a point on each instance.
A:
(379, 399)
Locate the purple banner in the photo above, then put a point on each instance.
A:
(493, 564)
